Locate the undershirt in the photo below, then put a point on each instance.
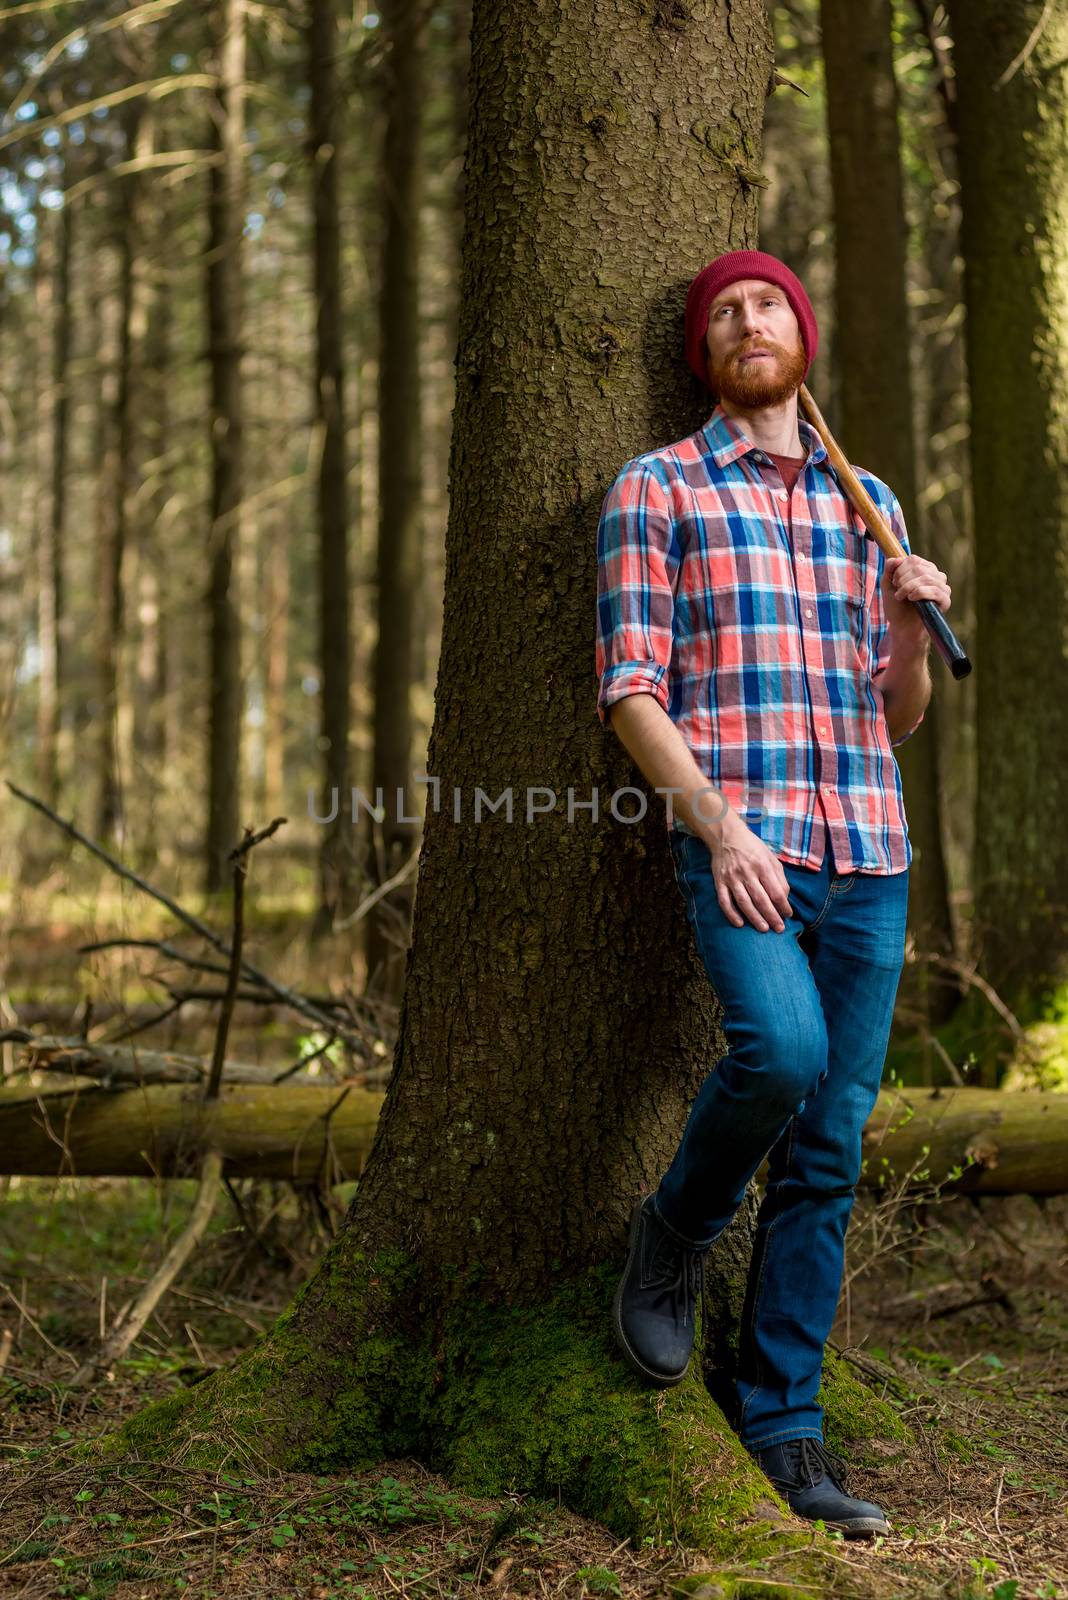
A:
(790, 468)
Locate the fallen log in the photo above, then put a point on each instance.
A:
(121, 1065)
(310, 1133)
(985, 1141)
(982, 1141)
(127, 1066)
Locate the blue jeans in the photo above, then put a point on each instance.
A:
(807, 1016)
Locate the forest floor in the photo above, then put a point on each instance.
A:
(958, 1313)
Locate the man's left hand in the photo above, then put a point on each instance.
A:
(908, 578)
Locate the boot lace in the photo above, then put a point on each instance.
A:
(811, 1461)
(678, 1272)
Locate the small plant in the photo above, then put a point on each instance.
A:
(598, 1580)
(315, 1044)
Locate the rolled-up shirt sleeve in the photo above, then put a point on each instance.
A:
(637, 568)
(880, 627)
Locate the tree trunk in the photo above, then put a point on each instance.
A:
(337, 863)
(400, 481)
(556, 1020)
(877, 417)
(106, 456)
(225, 330)
(1012, 105)
(943, 439)
(276, 602)
(153, 718)
(51, 549)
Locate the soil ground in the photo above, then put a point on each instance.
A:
(959, 1315)
(957, 1311)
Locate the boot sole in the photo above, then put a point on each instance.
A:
(861, 1527)
(662, 1380)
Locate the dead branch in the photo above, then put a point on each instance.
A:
(126, 1330)
(119, 1066)
(289, 997)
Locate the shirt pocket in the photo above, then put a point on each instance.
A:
(843, 577)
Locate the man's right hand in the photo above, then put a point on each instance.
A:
(750, 882)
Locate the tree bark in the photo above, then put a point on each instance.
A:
(225, 331)
(338, 878)
(943, 443)
(556, 1020)
(400, 480)
(1012, 107)
(877, 415)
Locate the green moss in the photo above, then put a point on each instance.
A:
(539, 1401)
(724, 1586)
(531, 1399)
(852, 1412)
(327, 1387)
(951, 1443)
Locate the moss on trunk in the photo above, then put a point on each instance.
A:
(528, 1399)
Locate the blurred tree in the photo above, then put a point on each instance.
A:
(109, 613)
(1012, 107)
(51, 592)
(225, 289)
(400, 479)
(338, 878)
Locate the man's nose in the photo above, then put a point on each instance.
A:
(752, 320)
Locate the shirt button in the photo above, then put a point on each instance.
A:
(783, 495)
(808, 613)
(801, 556)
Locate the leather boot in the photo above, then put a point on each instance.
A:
(654, 1314)
(815, 1485)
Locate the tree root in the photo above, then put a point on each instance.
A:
(504, 1400)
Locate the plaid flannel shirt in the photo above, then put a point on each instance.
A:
(764, 647)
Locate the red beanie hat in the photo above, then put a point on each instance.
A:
(729, 269)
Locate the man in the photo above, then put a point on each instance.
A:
(758, 657)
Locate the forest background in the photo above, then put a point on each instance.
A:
(230, 257)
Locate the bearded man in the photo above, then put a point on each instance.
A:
(759, 657)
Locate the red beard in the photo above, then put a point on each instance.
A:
(751, 384)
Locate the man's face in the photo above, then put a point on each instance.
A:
(755, 354)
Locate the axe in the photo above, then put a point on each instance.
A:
(946, 642)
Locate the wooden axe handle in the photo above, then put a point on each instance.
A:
(945, 640)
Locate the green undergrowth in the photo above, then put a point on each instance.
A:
(983, 1049)
(349, 1537)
